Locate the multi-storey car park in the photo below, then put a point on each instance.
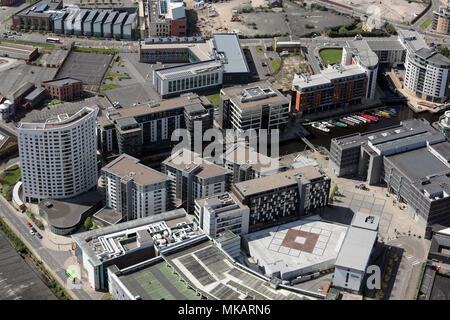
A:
(149, 127)
(58, 156)
(411, 158)
(284, 196)
(258, 105)
(133, 189)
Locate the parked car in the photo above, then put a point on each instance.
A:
(32, 232)
(29, 224)
(38, 235)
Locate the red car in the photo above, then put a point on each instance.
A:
(29, 224)
(401, 79)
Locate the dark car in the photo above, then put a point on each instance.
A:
(38, 235)
(34, 230)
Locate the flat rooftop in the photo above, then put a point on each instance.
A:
(188, 161)
(187, 70)
(17, 48)
(124, 235)
(228, 47)
(62, 82)
(254, 94)
(208, 269)
(164, 105)
(68, 212)
(278, 180)
(246, 157)
(201, 49)
(296, 248)
(222, 204)
(108, 215)
(356, 248)
(129, 168)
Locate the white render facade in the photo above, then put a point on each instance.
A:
(58, 158)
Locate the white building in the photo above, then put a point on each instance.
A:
(133, 189)
(6, 109)
(221, 212)
(58, 157)
(188, 78)
(354, 255)
(427, 71)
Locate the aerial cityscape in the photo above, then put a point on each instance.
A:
(225, 150)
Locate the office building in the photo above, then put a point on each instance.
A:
(441, 20)
(221, 212)
(410, 158)
(192, 177)
(193, 77)
(58, 157)
(427, 71)
(258, 105)
(64, 89)
(129, 243)
(284, 196)
(247, 164)
(355, 253)
(335, 87)
(133, 189)
(149, 127)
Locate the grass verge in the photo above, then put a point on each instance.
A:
(426, 24)
(276, 65)
(97, 50)
(30, 43)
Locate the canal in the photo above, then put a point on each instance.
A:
(319, 138)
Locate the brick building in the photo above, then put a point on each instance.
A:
(65, 89)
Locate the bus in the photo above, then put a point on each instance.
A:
(53, 40)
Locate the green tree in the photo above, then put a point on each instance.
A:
(88, 223)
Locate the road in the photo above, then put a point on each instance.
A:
(409, 271)
(34, 243)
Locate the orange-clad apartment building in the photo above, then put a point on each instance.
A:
(337, 86)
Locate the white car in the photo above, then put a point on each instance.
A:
(32, 232)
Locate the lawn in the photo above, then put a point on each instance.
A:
(330, 56)
(98, 50)
(426, 24)
(110, 86)
(258, 49)
(276, 64)
(30, 43)
(214, 98)
(110, 75)
(12, 176)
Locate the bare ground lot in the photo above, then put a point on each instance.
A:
(291, 19)
(289, 66)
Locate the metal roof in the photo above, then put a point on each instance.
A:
(230, 46)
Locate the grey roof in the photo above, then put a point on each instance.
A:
(21, 90)
(108, 215)
(361, 49)
(229, 44)
(196, 107)
(130, 19)
(101, 16)
(68, 212)
(356, 248)
(35, 93)
(433, 56)
(419, 163)
(120, 18)
(62, 81)
(91, 15)
(366, 221)
(112, 15)
(380, 45)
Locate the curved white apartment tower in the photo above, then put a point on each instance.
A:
(58, 157)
